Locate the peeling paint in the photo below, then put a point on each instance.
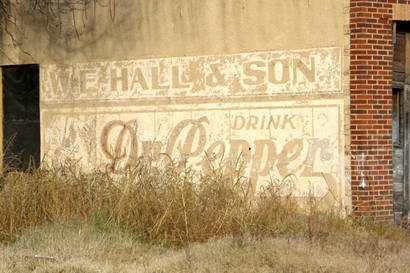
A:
(272, 73)
(106, 115)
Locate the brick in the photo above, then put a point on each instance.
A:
(371, 105)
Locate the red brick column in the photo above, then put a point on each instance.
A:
(371, 44)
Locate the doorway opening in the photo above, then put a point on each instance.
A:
(21, 117)
(401, 120)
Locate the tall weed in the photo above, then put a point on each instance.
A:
(168, 205)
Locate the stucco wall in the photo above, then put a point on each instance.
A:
(264, 79)
(163, 28)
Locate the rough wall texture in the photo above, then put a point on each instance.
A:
(371, 30)
(266, 79)
(206, 110)
(164, 28)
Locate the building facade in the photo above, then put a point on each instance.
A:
(312, 93)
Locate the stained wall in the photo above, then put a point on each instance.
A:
(265, 81)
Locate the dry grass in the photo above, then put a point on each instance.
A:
(162, 205)
(136, 219)
(78, 247)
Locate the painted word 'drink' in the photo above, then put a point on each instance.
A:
(272, 140)
(203, 109)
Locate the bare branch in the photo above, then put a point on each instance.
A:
(60, 18)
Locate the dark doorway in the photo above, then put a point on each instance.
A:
(21, 117)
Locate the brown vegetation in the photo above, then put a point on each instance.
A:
(81, 248)
(163, 205)
(174, 207)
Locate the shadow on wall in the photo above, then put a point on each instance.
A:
(133, 29)
(73, 33)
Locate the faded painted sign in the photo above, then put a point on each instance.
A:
(253, 74)
(112, 114)
(273, 139)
